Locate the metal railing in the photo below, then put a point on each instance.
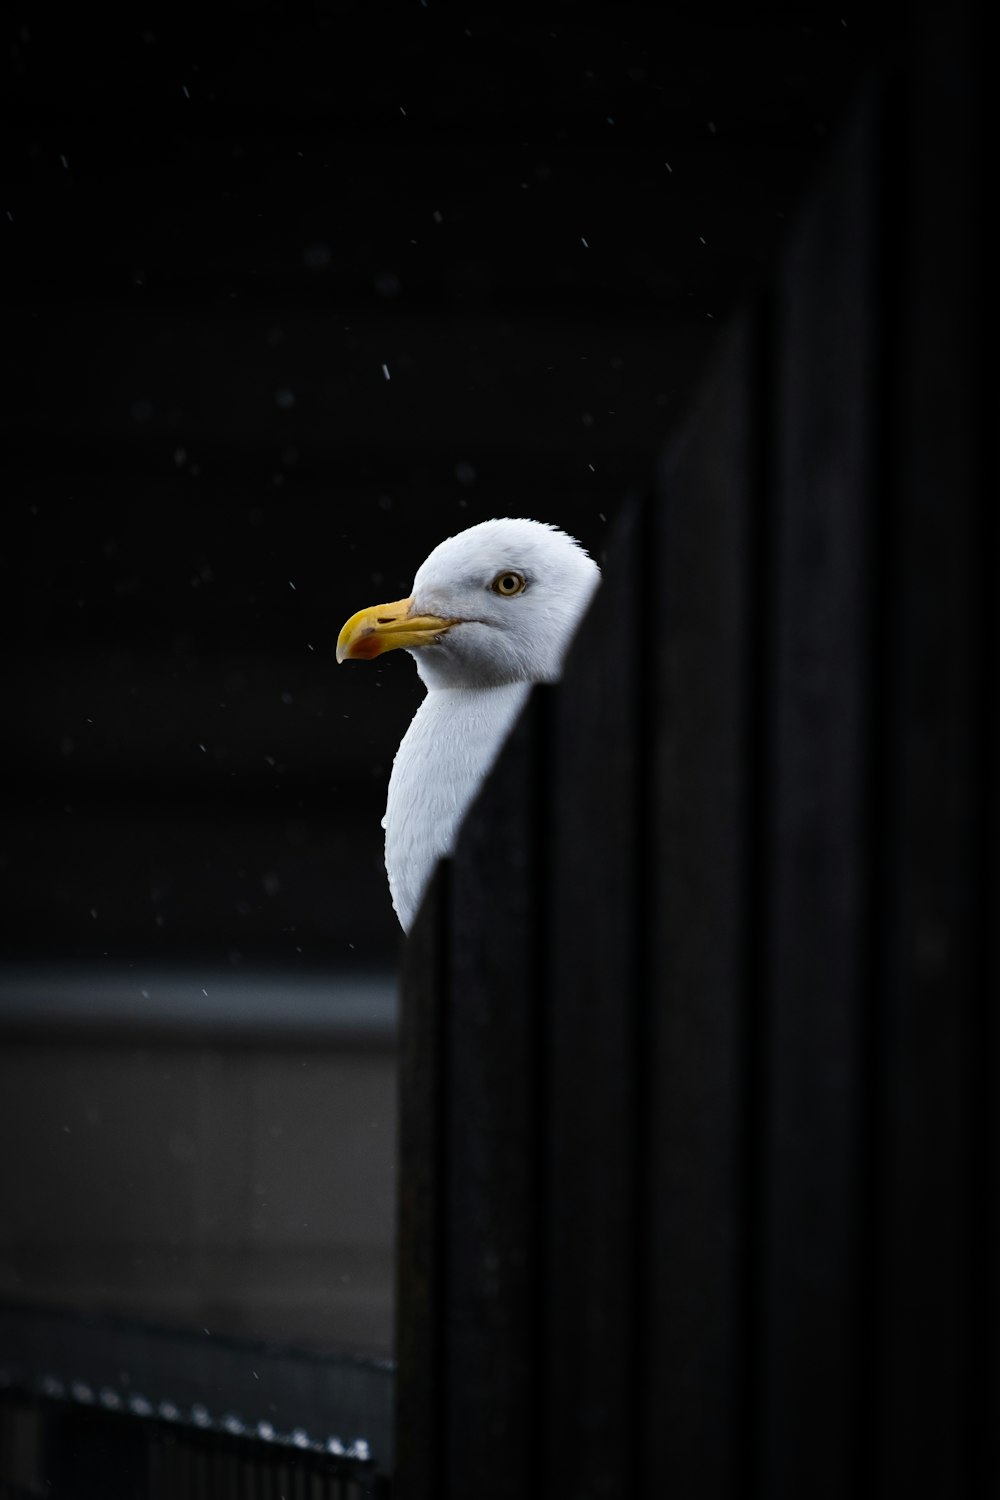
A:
(80, 1449)
(98, 1407)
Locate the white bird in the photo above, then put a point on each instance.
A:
(492, 611)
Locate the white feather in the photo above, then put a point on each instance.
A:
(453, 739)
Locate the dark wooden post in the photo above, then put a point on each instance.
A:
(708, 997)
(702, 937)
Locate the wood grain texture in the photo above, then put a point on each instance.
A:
(734, 1148)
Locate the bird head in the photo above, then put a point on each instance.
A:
(495, 604)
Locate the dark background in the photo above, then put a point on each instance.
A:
(214, 235)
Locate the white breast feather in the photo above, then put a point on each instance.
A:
(453, 740)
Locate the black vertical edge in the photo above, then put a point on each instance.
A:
(422, 1169)
(595, 1083)
(756, 854)
(699, 636)
(879, 718)
(983, 1424)
(988, 1445)
(642, 1267)
(823, 413)
(495, 1058)
(934, 1392)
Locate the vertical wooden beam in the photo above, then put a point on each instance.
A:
(934, 1368)
(595, 1227)
(822, 415)
(698, 634)
(421, 1372)
(495, 1065)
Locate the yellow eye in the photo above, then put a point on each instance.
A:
(508, 584)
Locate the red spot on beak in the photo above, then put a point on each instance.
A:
(366, 647)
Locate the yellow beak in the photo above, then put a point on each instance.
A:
(387, 627)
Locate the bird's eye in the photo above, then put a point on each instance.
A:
(509, 584)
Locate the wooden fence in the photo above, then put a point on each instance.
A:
(700, 1123)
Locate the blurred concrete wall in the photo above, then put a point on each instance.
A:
(228, 1182)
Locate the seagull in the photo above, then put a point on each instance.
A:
(492, 611)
